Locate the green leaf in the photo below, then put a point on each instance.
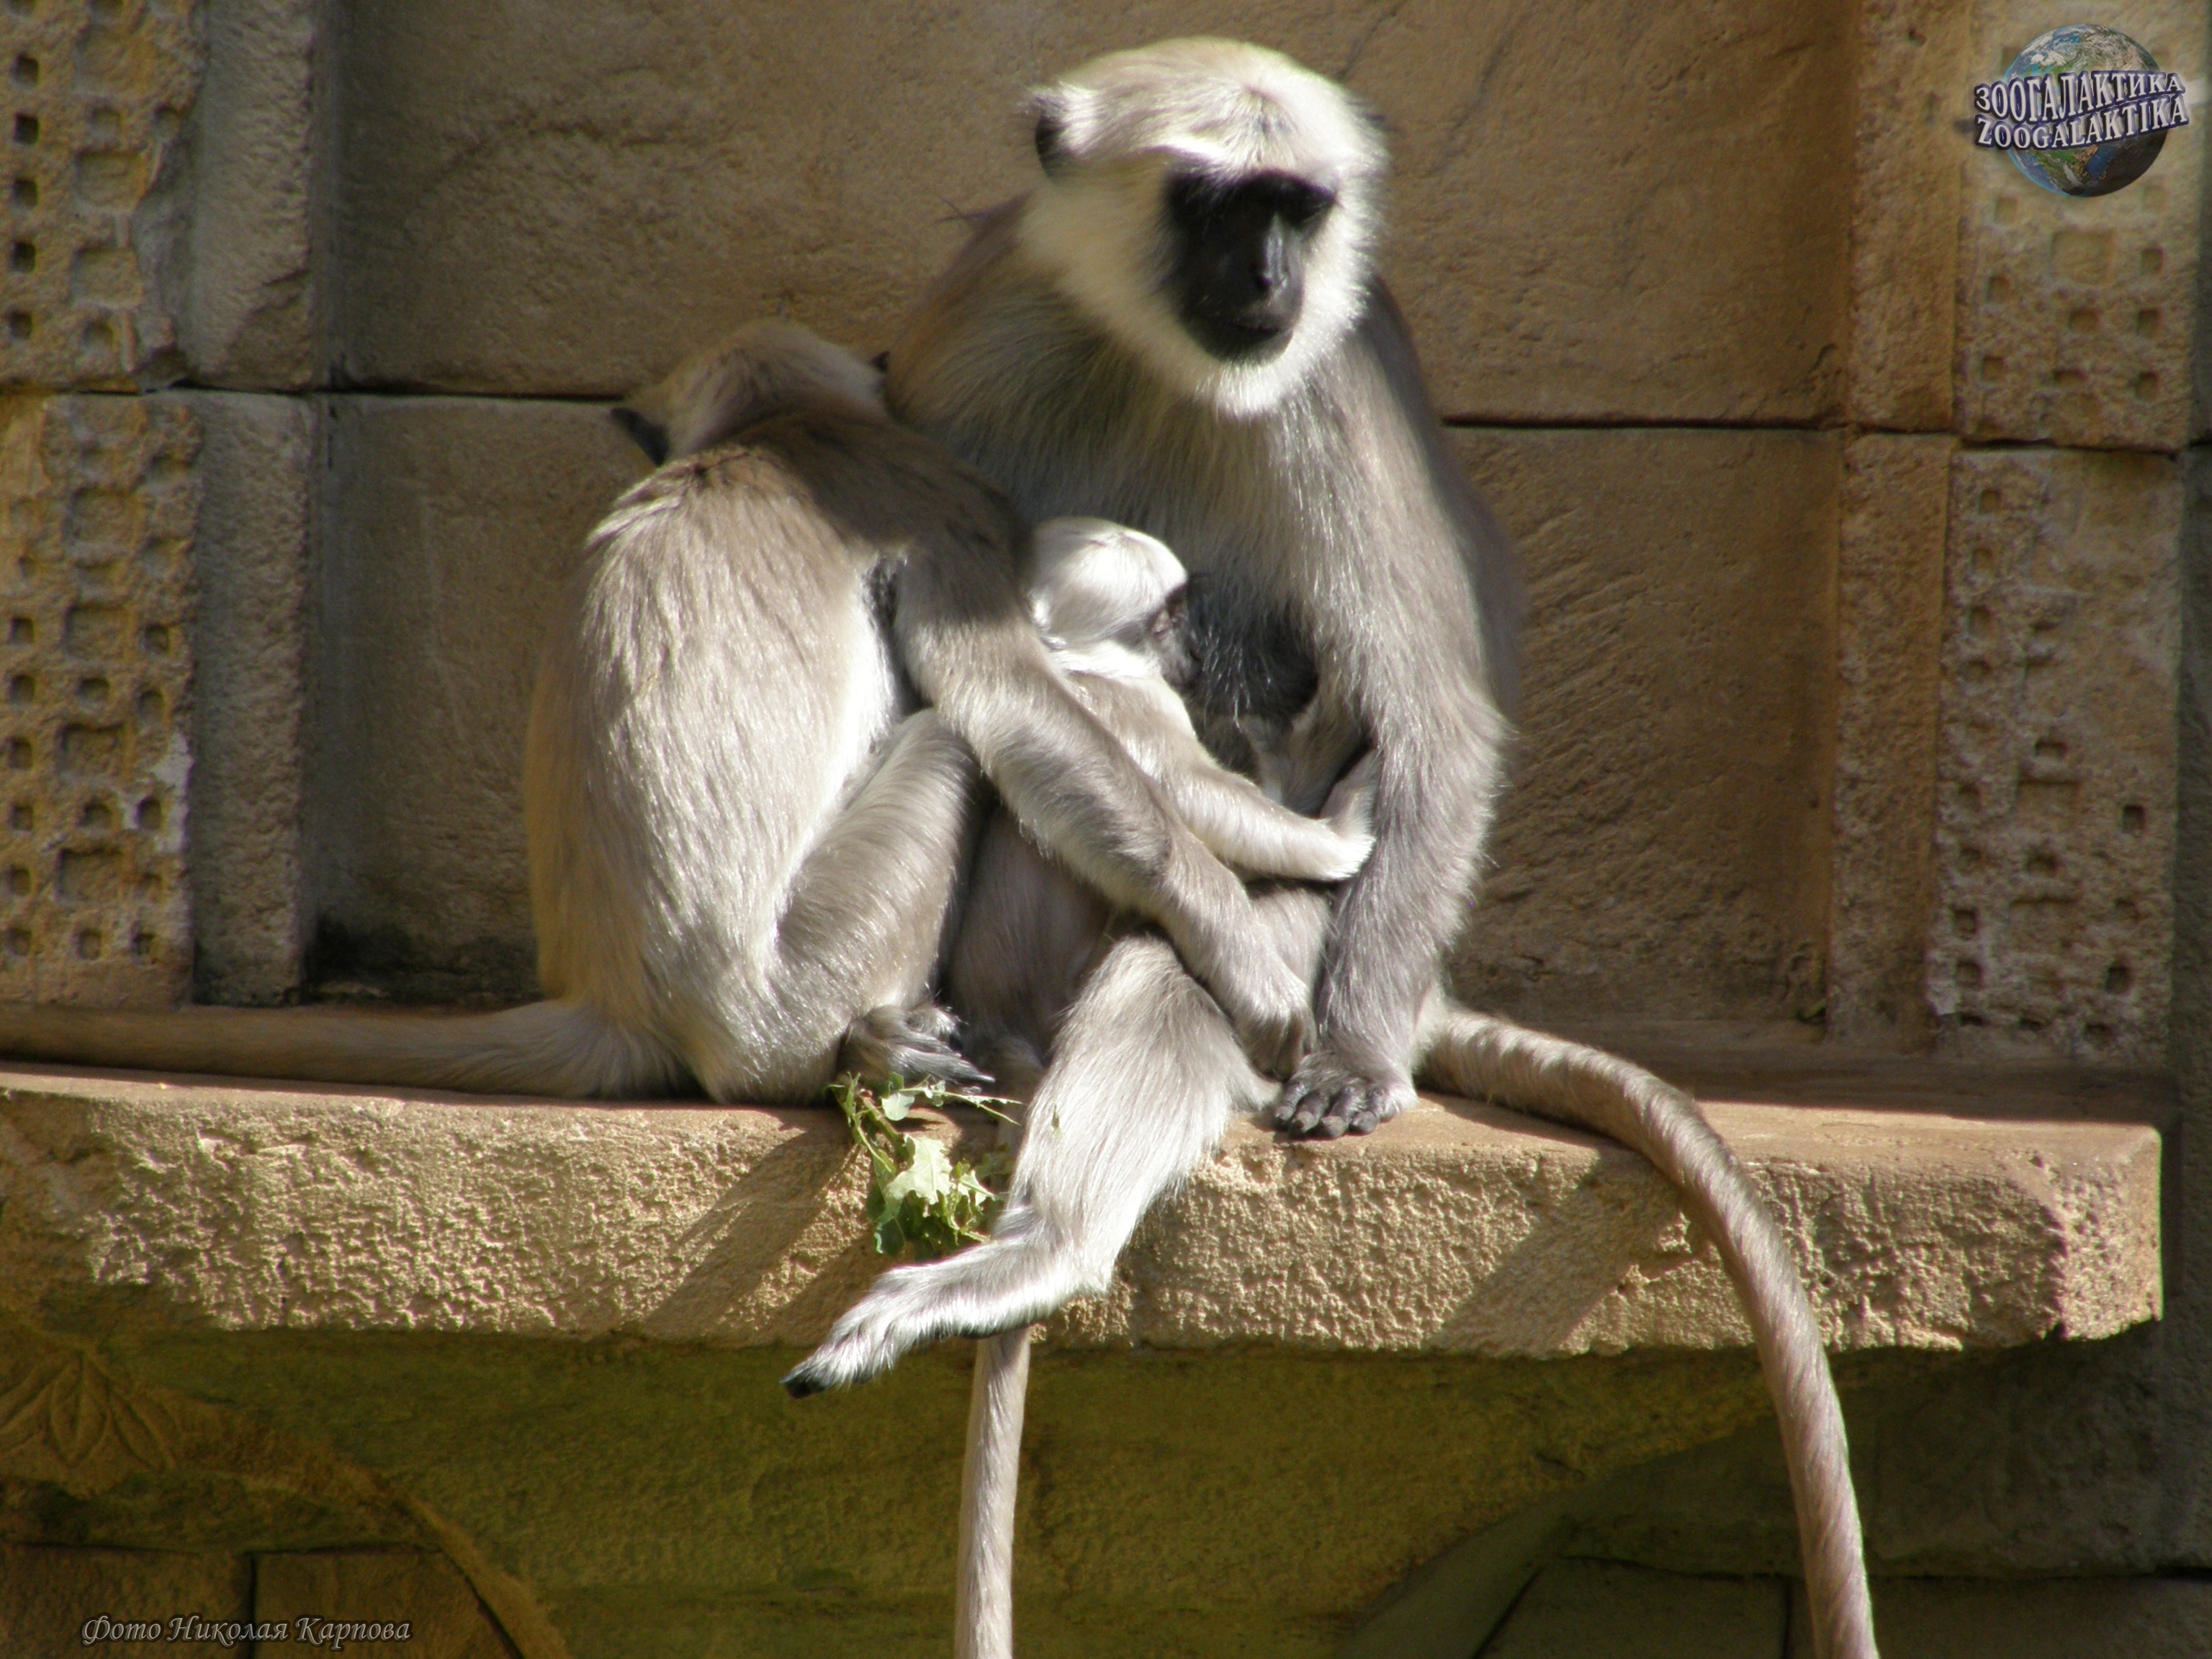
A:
(891, 1239)
(929, 1176)
(896, 1107)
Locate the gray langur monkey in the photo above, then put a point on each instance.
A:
(745, 838)
(1180, 329)
(1111, 604)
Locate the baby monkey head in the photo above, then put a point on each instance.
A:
(1111, 600)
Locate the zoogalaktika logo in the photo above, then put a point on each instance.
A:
(2084, 111)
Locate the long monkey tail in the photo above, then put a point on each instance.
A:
(559, 1048)
(1480, 1056)
(983, 1602)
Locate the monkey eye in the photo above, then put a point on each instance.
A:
(1198, 200)
(1301, 205)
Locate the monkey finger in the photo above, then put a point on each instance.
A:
(1343, 1106)
(1305, 1111)
(1373, 1110)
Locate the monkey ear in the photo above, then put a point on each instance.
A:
(648, 436)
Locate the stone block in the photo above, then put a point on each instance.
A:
(509, 185)
(1912, 56)
(2076, 317)
(2046, 1618)
(1598, 1610)
(52, 1602)
(450, 525)
(1897, 493)
(95, 576)
(251, 563)
(1649, 289)
(1458, 1228)
(159, 174)
(1664, 847)
(2055, 770)
(232, 241)
(423, 1592)
(97, 103)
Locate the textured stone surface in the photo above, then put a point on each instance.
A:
(424, 1592)
(249, 693)
(96, 102)
(95, 566)
(47, 1597)
(365, 1274)
(1888, 656)
(233, 241)
(1664, 847)
(2075, 317)
(2191, 1376)
(510, 185)
(451, 525)
(2055, 802)
(1597, 1610)
(1904, 205)
(1461, 1230)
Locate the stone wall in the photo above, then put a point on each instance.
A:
(1862, 486)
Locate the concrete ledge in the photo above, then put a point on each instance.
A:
(136, 1203)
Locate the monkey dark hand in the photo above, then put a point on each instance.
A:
(1327, 1098)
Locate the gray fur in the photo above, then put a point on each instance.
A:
(1341, 553)
(709, 912)
(1108, 601)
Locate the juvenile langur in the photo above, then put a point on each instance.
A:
(1180, 329)
(1111, 605)
(744, 840)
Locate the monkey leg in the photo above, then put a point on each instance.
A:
(1145, 1075)
(848, 975)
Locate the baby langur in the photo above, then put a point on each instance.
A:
(1112, 606)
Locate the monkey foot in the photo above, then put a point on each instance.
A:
(909, 1043)
(1325, 1098)
(996, 1287)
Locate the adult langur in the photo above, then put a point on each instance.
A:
(745, 835)
(1180, 329)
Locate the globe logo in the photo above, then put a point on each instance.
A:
(2084, 111)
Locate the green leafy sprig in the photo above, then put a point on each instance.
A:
(918, 1194)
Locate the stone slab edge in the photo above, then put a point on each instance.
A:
(142, 1204)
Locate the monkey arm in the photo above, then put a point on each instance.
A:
(1428, 665)
(1433, 808)
(1233, 816)
(967, 641)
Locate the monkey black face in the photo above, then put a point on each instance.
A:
(1237, 270)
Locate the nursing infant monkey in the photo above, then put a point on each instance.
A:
(747, 830)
